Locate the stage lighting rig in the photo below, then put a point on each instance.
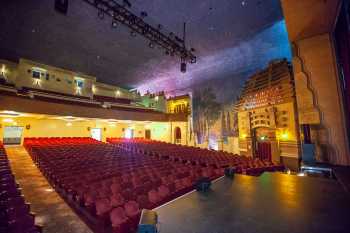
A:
(171, 43)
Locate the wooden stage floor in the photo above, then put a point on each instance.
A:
(271, 203)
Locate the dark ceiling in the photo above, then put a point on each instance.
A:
(233, 38)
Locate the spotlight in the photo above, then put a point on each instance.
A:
(179, 40)
(183, 67)
(144, 14)
(126, 3)
(100, 14)
(151, 45)
(133, 33)
(114, 23)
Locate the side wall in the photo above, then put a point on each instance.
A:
(318, 97)
(60, 128)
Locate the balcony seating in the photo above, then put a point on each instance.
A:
(15, 214)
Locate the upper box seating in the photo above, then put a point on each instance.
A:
(108, 183)
(15, 215)
(197, 156)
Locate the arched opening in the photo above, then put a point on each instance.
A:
(177, 135)
(262, 141)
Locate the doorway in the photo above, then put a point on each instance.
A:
(12, 135)
(148, 134)
(177, 135)
(262, 143)
(129, 133)
(263, 151)
(96, 133)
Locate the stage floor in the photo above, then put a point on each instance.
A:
(270, 203)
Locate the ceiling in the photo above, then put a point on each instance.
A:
(232, 38)
(303, 22)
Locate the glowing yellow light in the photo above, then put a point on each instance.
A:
(117, 93)
(243, 135)
(284, 136)
(8, 120)
(156, 98)
(112, 124)
(93, 89)
(69, 124)
(3, 70)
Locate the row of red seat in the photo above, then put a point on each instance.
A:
(15, 214)
(110, 183)
(33, 141)
(197, 156)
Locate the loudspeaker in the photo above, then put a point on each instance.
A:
(183, 67)
(61, 6)
(230, 172)
(203, 184)
(148, 222)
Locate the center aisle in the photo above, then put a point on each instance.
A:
(51, 210)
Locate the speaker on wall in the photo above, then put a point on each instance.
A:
(61, 6)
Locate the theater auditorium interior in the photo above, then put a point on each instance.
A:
(168, 116)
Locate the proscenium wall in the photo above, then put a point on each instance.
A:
(318, 74)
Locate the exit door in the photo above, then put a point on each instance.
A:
(96, 133)
(12, 135)
(263, 151)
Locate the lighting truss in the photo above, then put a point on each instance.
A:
(172, 44)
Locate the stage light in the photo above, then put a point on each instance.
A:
(121, 14)
(126, 3)
(133, 33)
(114, 23)
(144, 14)
(183, 67)
(100, 14)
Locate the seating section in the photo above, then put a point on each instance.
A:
(111, 184)
(15, 214)
(209, 159)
